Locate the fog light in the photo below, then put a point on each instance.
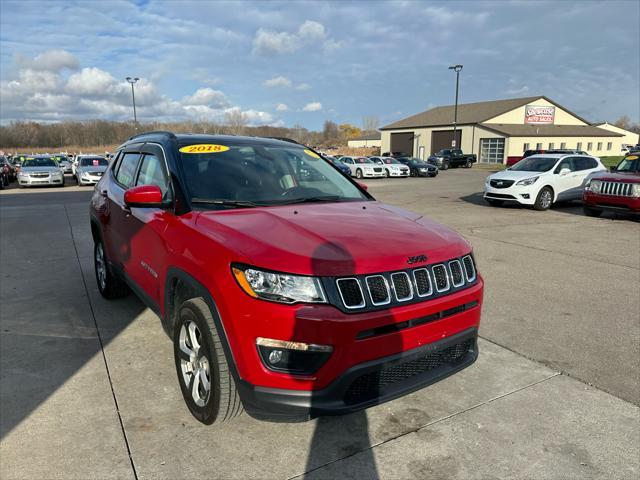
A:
(524, 195)
(292, 357)
(275, 356)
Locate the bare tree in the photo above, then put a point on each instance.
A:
(236, 120)
(370, 123)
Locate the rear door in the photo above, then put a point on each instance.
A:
(569, 185)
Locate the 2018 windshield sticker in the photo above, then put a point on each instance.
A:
(312, 154)
(632, 157)
(204, 148)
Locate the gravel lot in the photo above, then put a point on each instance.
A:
(88, 387)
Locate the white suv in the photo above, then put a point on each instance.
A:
(541, 180)
(362, 167)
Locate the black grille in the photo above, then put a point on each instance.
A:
(440, 277)
(351, 292)
(377, 169)
(402, 286)
(501, 183)
(423, 282)
(369, 385)
(499, 195)
(469, 268)
(456, 273)
(378, 290)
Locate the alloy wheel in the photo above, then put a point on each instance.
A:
(101, 267)
(194, 364)
(545, 199)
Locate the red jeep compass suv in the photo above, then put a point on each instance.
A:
(288, 290)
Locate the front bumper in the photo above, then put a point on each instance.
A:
(611, 202)
(40, 181)
(428, 173)
(92, 180)
(367, 384)
(398, 173)
(525, 195)
(366, 174)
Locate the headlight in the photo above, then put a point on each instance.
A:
(279, 287)
(527, 181)
(594, 186)
(23, 174)
(635, 190)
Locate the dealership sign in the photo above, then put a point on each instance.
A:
(537, 115)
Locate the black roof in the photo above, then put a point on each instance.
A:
(193, 138)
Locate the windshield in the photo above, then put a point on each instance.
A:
(94, 162)
(377, 160)
(629, 164)
(535, 164)
(362, 160)
(39, 162)
(264, 175)
(391, 161)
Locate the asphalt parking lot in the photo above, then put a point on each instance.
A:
(88, 387)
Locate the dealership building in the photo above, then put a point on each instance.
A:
(500, 129)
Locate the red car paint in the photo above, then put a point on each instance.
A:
(613, 202)
(324, 239)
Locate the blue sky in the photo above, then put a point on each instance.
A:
(284, 63)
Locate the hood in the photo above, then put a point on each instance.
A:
(331, 239)
(40, 169)
(514, 175)
(627, 177)
(90, 168)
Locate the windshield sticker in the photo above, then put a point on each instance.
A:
(312, 154)
(96, 163)
(204, 148)
(632, 157)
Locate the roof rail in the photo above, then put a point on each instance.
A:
(155, 132)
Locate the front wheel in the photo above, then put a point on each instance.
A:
(207, 385)
(109, 285)
(445, 166)
(544, 199)
(359, 173)
(592, 212)
(387, 172)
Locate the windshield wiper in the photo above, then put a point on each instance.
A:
(224, 203)
(324, 198)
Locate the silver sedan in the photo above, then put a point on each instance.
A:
(89, 170)
(40, 171)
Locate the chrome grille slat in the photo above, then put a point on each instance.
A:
(616, 189)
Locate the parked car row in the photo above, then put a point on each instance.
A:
(382, 166)
(49, 170)
(540, 180)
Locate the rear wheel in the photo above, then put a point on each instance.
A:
(445, 166)
(358, 173)
(592, 212)
(207, 385)
(544, 199)
(469, 164)
(109, 285)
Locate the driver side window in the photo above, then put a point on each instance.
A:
(152, 173)
(565, 163)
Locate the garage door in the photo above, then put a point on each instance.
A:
(492, 150)
(402, 143)
(442, 139)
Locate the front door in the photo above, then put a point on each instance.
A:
(568, 185)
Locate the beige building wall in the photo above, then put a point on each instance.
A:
(598, 146)
(363, 143)
(629, 138)
(516, 116)
(469, 141)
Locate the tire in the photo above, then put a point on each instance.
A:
(109, 285)
(359, 174)
(195, 326)
(494, 203)
(592, 212)
(544, 200)
(387, 172)
(469, 164)
(445, 166)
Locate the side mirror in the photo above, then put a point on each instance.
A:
(143, 196)
(363, 186)
(565, 171)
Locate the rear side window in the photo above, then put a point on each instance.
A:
(583, 163)
(152, 173)
(127, 169)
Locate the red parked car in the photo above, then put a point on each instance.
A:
(617, 190)
(287, 289)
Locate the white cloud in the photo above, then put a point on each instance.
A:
(269, 42)
(50, 61)
(207, 97)
(277, 82)
(282, 107)
(312, 107)
(303, 86)
(444, 16)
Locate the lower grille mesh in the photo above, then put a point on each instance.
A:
(369, 385)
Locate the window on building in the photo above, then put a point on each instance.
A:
(599, 146)
(551, 145)
(609, 145)
(579, 146)
(492, 150)
(538, 146)
(525, 147)
(589, 146)
(563, 145)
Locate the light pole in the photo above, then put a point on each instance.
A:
(132, 81)
(455, 68)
